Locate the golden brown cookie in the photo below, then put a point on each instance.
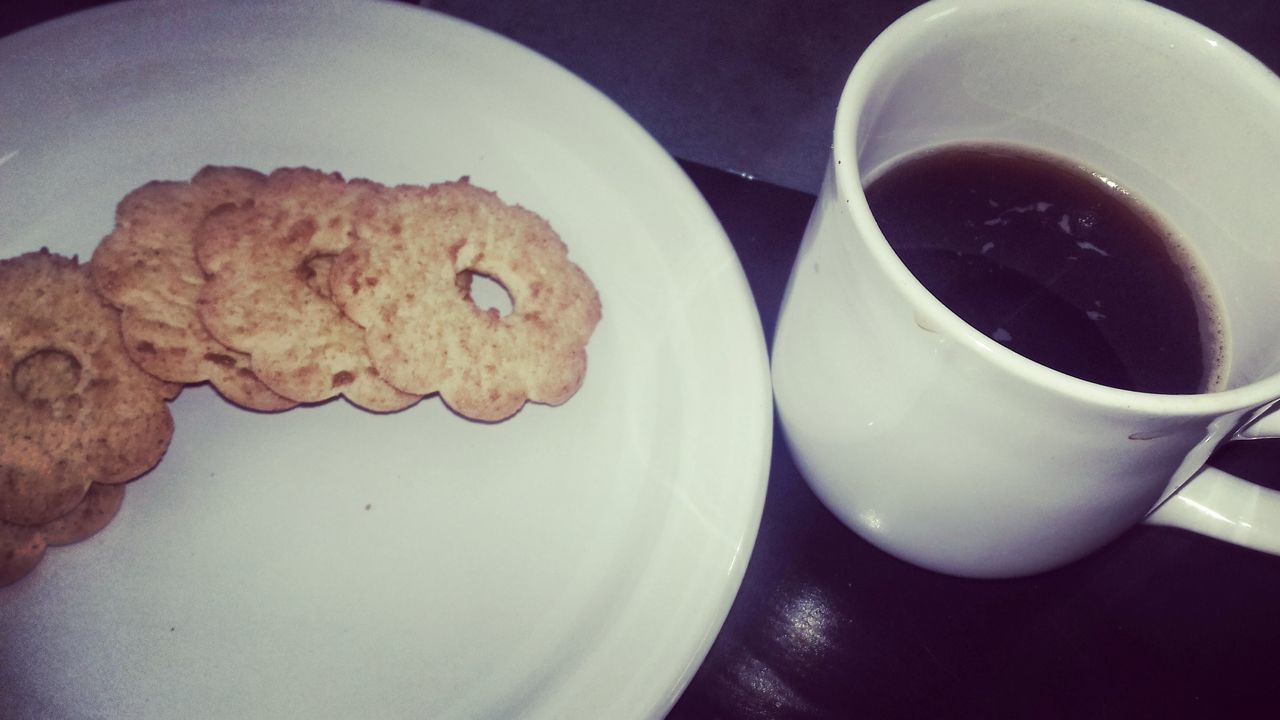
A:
(96, 510)
(267, 293)
(147, 268)
(33, 486)
(399, 281)
(21, 549)
(75, 408)
(23, 546)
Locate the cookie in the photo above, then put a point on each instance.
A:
(94, 512)
(23, 546)
(267, 292)
(76, 409)
(147, 268)
(34, 487)
(399, 280)
(21, 549)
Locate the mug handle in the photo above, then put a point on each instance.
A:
(1223, 506)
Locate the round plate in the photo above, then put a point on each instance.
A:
(327, 562)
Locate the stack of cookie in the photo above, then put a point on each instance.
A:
(278, 290)
(78, 418)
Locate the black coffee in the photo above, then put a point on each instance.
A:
(1055, 262)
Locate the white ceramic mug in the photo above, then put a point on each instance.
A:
(944, 447)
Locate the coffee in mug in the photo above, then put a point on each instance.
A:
(1010, 399)
(1056, 262)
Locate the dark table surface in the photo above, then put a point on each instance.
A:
(1160, 623)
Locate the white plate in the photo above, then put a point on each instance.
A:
(329, 563)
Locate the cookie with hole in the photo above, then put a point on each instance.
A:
(401, 281)
(76, 409)
(267, 294)
(147, 268)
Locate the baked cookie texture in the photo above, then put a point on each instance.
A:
(147, 268)
(23, 546)
(21, 550)
(267, 263)
(400, 280)
(76, 409)
(94, 512)
(294, 287)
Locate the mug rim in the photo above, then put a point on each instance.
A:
(849, 189)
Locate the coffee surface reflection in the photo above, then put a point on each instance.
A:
(1054, 261)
